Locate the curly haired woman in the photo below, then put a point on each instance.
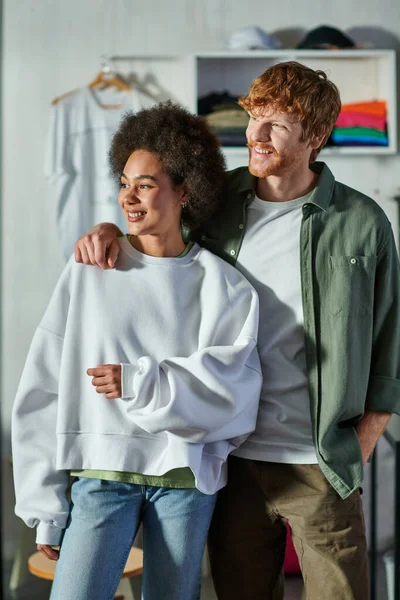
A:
(140, 380)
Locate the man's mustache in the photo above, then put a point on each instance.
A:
(261, 145)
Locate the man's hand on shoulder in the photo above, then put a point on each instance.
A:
(99, 247)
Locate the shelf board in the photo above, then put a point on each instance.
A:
(364, 150)
(357, 53)
(332, 151)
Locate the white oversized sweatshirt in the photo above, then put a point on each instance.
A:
(184, 330)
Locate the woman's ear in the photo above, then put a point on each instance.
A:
(184, 197)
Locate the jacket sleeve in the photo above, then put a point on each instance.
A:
(212, 395)
(384, 384)
(41, 490)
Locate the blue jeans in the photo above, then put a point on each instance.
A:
(104, 519)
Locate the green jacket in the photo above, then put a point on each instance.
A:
(351, 302)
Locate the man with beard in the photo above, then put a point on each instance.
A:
(323, 260)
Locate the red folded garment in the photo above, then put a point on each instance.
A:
(359, 119)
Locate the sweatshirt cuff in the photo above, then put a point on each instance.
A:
(48, 534)
(127, 374)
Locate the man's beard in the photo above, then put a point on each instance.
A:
(280, 163)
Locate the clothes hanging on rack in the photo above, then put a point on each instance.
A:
(81, 128)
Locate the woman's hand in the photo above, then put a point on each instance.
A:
(107, 380)
(99, 247)
(48, 551)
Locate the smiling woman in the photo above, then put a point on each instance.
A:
(187, 149)
(165, 179)
(152, 205)
(168, 340)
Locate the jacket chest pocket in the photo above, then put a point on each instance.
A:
(351, 285)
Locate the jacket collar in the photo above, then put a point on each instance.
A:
(248, 183)
(321, 195)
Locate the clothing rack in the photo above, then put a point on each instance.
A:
(107, 67)
(108, 74)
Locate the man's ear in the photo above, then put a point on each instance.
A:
(316, 140)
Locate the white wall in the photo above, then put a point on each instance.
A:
(53, 46)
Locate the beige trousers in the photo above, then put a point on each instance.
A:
(247, 535)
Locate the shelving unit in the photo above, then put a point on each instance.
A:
(360, 75)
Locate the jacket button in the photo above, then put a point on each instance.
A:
(241, 226)
(203, 237)
(353, 261)
(249, 196)
(232, 253)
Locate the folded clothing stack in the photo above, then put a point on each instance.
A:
(225, 116)
(362, 124)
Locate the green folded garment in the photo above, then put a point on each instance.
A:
(359, 132)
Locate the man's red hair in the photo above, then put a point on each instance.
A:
(293, 88)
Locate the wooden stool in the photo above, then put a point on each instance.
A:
(43, 567)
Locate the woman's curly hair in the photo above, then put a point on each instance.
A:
(187, 149)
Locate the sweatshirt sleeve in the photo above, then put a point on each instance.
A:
(41, 490)
(213, 394)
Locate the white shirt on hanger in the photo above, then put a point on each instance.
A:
(81, 129)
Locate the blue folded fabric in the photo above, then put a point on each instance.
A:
(345, 140)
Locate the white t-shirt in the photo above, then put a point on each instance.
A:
(77, 163)
(270, 259)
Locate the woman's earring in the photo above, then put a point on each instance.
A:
(184, 204)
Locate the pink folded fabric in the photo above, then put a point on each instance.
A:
(358, 119)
